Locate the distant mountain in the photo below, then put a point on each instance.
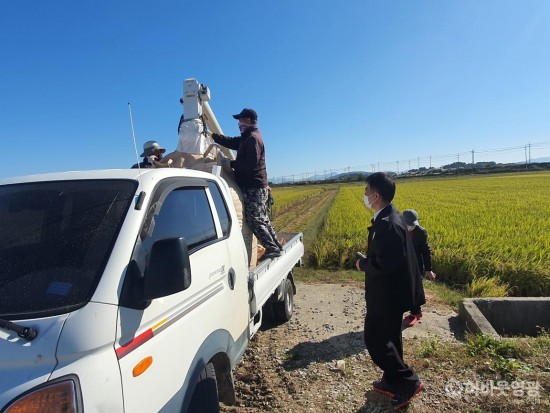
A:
(541, 160)
(536, 160)
(332, 176)
(335, 176)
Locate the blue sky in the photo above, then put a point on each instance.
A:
(342, 84)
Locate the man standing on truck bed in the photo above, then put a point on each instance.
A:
(251, 176)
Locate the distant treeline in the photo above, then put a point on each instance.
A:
(455, 168)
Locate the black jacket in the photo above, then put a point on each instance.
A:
(419, 238)
(249, 166)
(392, 277)
(143, 164)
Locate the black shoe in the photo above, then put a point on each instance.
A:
(383, 387)
(401, 399)
(272, 254)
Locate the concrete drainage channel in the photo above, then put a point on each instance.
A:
(512, 316)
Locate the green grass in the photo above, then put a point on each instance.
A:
(482, 360)
(450, 296)
(313, 275)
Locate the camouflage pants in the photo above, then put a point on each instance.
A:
(255, 211)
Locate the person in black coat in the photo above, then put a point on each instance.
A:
(423, 251)
(392, 286)
(251, 176)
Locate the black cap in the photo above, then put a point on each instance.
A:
(247, 113)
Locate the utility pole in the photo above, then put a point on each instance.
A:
(418, 162)
(473, 158)
(525, 156)
(378, 166)
(397, 166)
(529, 153)
(409, 164)
(430, 161)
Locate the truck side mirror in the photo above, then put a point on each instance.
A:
(168, 270)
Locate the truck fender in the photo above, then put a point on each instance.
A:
(222, 351)
(280, 292)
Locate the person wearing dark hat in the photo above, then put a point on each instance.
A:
(152, 152)
(391, 278)
(251, 176)
(423, 251)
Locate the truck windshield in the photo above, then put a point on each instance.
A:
(55, 240)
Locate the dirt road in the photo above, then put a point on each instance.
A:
(317, 362)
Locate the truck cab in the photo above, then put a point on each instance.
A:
(128, 290)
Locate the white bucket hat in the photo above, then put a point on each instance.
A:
(150, 147)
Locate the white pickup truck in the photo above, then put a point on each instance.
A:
(128, 291)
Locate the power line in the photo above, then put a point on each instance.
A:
(431, 159)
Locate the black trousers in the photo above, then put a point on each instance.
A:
(385, 346)
(255, 212)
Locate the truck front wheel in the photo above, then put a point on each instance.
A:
(283, 309)
(205, 396)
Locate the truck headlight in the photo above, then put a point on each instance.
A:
(59, 396)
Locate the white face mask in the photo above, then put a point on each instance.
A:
(244, 126)
(410, 227)
(366, 201)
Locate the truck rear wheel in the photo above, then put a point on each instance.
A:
(283, 309)
(205, 396)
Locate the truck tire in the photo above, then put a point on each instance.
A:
(205, 396)
(283, 309)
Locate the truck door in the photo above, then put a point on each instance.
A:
(159, 344)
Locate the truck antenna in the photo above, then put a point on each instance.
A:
(135, 148)
(133, 132)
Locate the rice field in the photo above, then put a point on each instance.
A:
(285, 197)
(480, 227)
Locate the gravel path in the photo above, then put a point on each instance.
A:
(317, 362)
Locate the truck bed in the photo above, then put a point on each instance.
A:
(269, 273)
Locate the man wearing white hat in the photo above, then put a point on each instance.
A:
(152, 153)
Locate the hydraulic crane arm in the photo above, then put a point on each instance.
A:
(195, 105)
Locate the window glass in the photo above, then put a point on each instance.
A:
(55, 239)
(184, 212)
(220, 207)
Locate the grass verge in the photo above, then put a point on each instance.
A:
(508, 375)
(315, 275)
(447, 294)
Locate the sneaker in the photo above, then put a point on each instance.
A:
(383, 387)
(272, 254)
(409, 321)
(400, 400)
